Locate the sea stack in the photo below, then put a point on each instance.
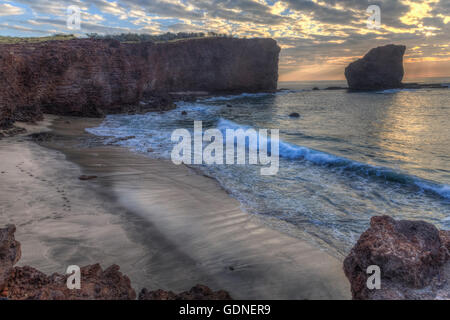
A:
(381, 68)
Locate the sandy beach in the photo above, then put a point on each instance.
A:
(165, 225)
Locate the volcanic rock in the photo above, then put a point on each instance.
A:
(86, 77)
(381, 68)
(199, 292)
(28, 283)
(412, 255)
(10, 253)
(97, 284)
(20, 283)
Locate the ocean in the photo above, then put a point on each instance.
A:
(348, 157)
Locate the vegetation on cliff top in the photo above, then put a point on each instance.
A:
(124, 37)
(12, 40)
(169, 36)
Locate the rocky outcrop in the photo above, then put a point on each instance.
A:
(20, 283)
(199, 292)
(97, 284)
(413, 258)
(10, 253)
(381, 68)
(92, 77)
(27, 283)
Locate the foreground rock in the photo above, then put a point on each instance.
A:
(381, 68)
(24, 283)
(85, 77)
(413, 257)
(199, 292)
(29, 283)
(10, 253)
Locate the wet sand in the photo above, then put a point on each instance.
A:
(165, 225)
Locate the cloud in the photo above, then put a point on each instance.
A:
(316, 32)
(10, 10)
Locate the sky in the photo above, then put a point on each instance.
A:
(318, 37)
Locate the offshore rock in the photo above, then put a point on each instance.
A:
(381, 68)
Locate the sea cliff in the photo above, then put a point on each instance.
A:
(85, 77)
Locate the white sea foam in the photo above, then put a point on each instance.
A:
(390, 91)
(247, 96)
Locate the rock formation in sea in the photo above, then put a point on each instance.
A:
(381, 68)
(24, 283)
(86, 77)
(413, 257)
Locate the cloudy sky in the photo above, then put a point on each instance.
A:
(318, 37)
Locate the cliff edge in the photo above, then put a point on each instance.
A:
(85, 77)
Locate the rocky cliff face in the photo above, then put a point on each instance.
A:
(413, 258)
(381, 68)
(93, 77)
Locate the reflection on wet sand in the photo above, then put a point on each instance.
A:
(166, 226)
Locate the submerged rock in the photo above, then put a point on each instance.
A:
(381, 68)
(413, 258)
(199, 292)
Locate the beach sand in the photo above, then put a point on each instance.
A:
(165, 225)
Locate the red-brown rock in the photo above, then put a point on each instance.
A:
(96, 284)
(28, 283)
(445, 238)
(21, 283)
(85, 77)
(412, 256)
(10, 253)
(199, 292)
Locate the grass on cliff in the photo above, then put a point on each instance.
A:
(124, 37)
(165, 37)
(12, 40)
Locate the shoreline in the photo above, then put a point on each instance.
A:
(167, 230)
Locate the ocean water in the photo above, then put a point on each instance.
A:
(348, 157)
